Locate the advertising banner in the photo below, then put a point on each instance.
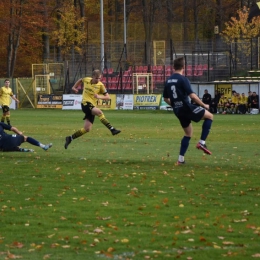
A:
(148, 102)
(125, 102)
(13, 104)
(164, 105)
(49, 101)
(224, 88)
(71, 102)
(107, 104)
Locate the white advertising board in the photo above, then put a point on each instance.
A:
(71, 102)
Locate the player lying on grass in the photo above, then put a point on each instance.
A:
(11, 143)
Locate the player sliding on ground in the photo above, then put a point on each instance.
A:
(177, 91)
(11, 143)
(93, 90)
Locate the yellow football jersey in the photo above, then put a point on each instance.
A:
(234, 99)
(222, 101)
(243, 100)
(89, 90)
(5, 94)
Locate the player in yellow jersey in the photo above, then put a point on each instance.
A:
(234, 102)
(93, 90)
(242, 104)
(5, 94)
(221, 104)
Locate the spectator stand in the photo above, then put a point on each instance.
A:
(197, 72)
(110, 78)
(206, 66)
(126, 81)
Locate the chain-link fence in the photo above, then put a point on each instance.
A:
(206, 61)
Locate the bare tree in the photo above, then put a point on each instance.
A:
(58, 17)
(45, 31)
(14, 35)
(149, 8)
(185, 19)
(170, 16)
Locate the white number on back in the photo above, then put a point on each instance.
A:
(174, 94)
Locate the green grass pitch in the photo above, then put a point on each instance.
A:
(122, 197)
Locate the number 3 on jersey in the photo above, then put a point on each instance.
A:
(173, 89)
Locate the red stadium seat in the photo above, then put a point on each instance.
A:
(113, 86)
(128, 86)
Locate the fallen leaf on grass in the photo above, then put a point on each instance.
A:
(251, 226)
(202, 239)
(165, 200)
(54, 245)
(186, 232)
(18, 244)
(239, 220)
(98, 230)
(38, 247)
(110, 249)
(106, 254)
(230, 229)
(103, 218)
(12, 256)
(112, 226)
(227, 243)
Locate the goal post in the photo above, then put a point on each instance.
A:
(143, 83)
(159, 52)
(42, 84)
(50, 74)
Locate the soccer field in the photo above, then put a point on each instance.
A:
(122, 197)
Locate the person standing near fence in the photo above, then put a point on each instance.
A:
(177, 91)
(5, 94)
(93, 90)
(249, 102)
(206, 99)
(254, 100)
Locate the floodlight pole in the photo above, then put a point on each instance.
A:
(102, 53)
(125, 30)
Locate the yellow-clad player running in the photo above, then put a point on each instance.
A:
(93, 90)
(5, 94)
